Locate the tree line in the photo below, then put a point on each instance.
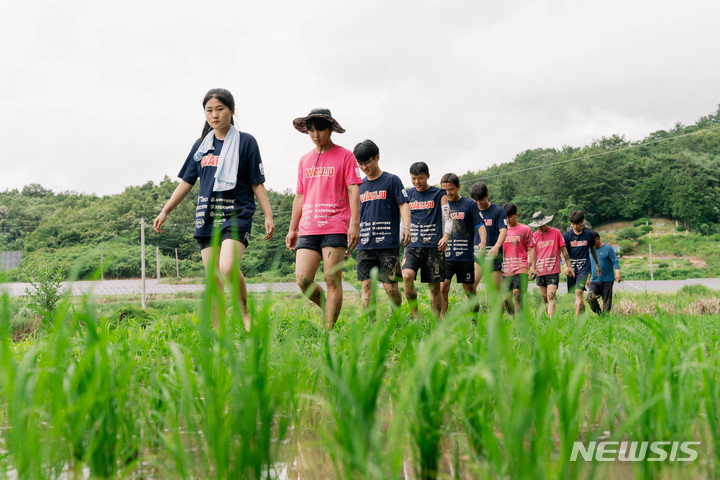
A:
(673, 173)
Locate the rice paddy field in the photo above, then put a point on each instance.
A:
(109, 391)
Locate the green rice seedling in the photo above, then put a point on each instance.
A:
(476, 409)
(235, 394)
(354, 380)
(709, 364)
(659, 400)
(97, 403)
(33, 444)
(426, 404)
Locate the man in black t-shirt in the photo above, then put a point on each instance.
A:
(383, 201)
(430, 226)
(496, 227)
(459, 256)
(580, 245)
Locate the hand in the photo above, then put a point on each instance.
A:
(269, 228)
(618, 278)
(405, 235)
(291, 240)
(443, 243)
(531, 272)
(569, 271)
(492, 253)
(159, 220)
(353, 237)
(599, 269)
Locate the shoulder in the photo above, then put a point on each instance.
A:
(195, 146)
(248, 138)
(392, 178)
(341, 152)
(308, 155)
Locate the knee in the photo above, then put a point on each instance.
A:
(303, 281)
(228, 271)
(408, 276)
(334, 283)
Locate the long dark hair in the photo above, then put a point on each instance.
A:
(225, 98)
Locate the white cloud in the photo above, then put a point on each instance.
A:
(97, 96)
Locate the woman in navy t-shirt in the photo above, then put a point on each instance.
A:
(231, 174)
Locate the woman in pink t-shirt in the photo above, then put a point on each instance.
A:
(325, 222)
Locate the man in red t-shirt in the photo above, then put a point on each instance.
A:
(549, 244)
(518, 256)
(326, 210)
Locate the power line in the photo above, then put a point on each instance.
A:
(485, 177)
(593, 155)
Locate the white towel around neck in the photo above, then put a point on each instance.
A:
(228, 161)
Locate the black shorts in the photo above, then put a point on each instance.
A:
(546, 280)
(602, 290)
(519, 281)
(430, 262)
(578, 282)
(227, 233)
(317, 242)
(465, 271)
(497, 262)
(387, 260)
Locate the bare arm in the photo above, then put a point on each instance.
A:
(482, 231)
(405, 216)
(501, 239)
(292, 235)
(531, 259)
(177, 196)
(568, 268)
(443, 243)
(597, 264)
(264, 201)
(354, 229)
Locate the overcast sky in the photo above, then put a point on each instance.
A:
(96, 96)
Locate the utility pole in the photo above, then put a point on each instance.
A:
(102, 270)
(142, 261)
(651, 263)
(177, 264)
(157, 262)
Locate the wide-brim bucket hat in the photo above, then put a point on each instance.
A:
(539, 219)
(324, 113)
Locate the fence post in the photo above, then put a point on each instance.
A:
(157, 262)
(651, 263)
(142, 261)
(177, 264)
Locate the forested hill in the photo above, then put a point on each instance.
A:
(673, 174)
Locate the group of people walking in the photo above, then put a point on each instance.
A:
(334, 211)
